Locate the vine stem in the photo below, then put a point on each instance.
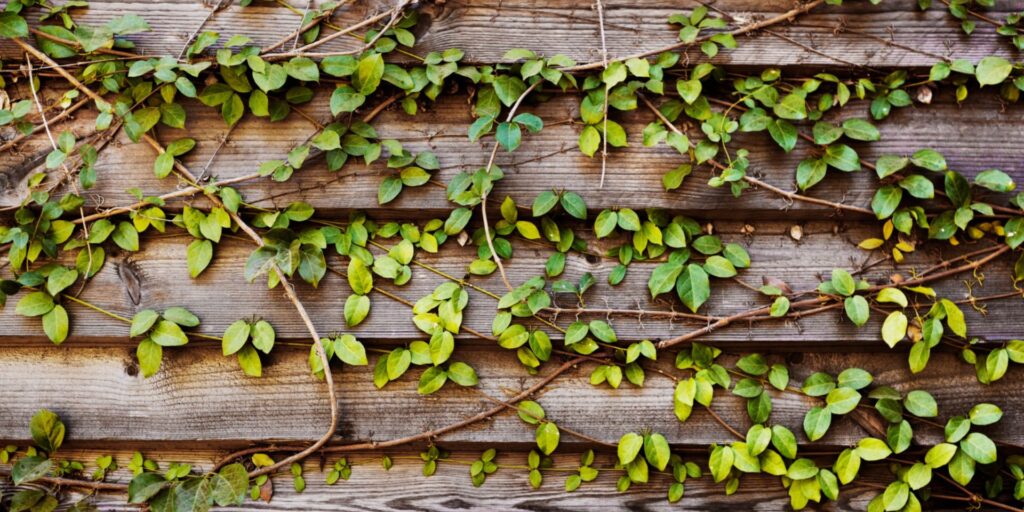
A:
(752, 313)
(786, 16)
(604, 108)
(312, 23)
(483, 198)
(302, 50)
(423, 436)
(792, 196)
(65, 113)
(192, 190)
(74, 482)
(282, 278)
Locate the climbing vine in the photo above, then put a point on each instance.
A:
(56, 241)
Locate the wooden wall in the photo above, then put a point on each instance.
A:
(200, 405)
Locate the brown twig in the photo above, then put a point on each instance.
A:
(282, 278)
(74, 482)
(483, 199)
(303, 50)
(793, 196)
(220, 5)
(786, 16)
(423, 436)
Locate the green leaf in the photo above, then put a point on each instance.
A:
(719, 267)
(792, 107)
(783, 133)
(847, 466)
(979, 447)
(689, 90)
(860, 129)
(359, 277)
(357, 307)
(149, 355)
(843, 282)
(809, 172)
(857, 310)
(235, 337)
(784, 441)
(350, 350)
(142, 321)
(779, 307)
(802, 469)
(35, 304)
(547, 437)
(721, 462)
(249, 361)
(432, 380)
(872, 449)
(263, 336)
(389, 189)
(886, 200)
(368, 74)
(574, 205)
(47, 430)
(508, 135)
(12, 25)
(961, 467)
(929, 159)
(589, 141)
(346, 99)
(398, 362)
(29, 469)
(462, 374)
(921, 404)
(894, 328)
(168, 334)
(985, 414)
(992, 70)
(854, 378)
(629, 447)
(842, 400)
(918, 186)
(145, 486)
(59, 279)
(305, 69)
(199, 255)
(663, 278)
(230, 485)
(693, 286)
(55, 324)
(995, 180)
(939, 455)
(657, 451)
(888, 165)
(816, 423)
(841, 157)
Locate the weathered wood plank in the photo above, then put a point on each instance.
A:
(201, 397)
(371, 488)
(852, 34)
(549, 160)
(220, 296)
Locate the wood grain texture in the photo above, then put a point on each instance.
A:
(201, 399)
(485, 30)
(220, 296)
(979, 136)
(371, 488)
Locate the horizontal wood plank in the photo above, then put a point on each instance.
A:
(200, 397)
(839, 36)
(404, 487)
(973, 138)
(158, 278)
